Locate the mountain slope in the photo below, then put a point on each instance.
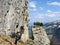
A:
(52, 26)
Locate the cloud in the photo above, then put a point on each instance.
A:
(32, 4)
(54, 3)
(41, 16)
(38, 16)
(41, 8)
(50, 13)
(32, 9)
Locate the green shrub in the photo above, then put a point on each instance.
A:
(38, 24)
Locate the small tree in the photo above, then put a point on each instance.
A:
(38, 24)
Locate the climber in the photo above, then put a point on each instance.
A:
(17, 38)
(19, 34)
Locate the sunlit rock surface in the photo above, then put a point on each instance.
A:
(13, 15)
(40, 36)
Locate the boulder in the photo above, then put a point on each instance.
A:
(40, 36)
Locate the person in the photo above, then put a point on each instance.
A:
(19, 34)
(16, 38)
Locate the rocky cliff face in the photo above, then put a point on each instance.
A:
(13, 15)
(40, 36)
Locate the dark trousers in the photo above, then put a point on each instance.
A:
(16, 39)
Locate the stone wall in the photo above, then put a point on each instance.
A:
(40, 36)
(13, 15)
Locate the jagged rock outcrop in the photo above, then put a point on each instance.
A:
(13, 15)
(40, 36)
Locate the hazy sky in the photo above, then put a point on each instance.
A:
(44, 10)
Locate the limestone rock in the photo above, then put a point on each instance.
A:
(13, 15)
(40, 36)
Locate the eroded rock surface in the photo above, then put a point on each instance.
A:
(40, 36)
(13, 15)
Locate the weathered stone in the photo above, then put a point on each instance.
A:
(11, 15)
(40, 36)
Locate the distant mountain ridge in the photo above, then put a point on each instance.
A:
(52, 26)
